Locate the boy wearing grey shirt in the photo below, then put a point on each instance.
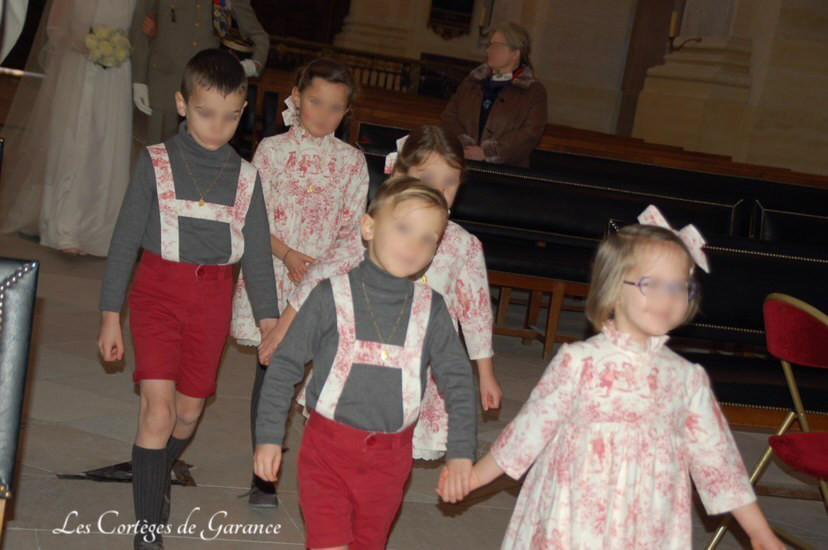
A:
(196, 208)
(372, 334)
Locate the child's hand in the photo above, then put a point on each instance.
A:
(297, 264)
(266, 461)
(110, 338)
(490, 392)
(455, 480)
(149, 27)
(270, 341)
(266, 325)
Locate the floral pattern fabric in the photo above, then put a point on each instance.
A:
(407, 357)
(608, 436)
(315, 190)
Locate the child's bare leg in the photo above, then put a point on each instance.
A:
(157, 413)
(187, 412)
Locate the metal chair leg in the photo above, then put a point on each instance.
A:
(803, 420)
(717, 536)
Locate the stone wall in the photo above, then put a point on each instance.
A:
(755, 92)
(579, 48)
(752, 89)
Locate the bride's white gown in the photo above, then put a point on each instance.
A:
(73, 167)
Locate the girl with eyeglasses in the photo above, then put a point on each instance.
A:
(617, 422)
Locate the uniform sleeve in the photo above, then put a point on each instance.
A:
(516, 145)
(257, 262)
(549, 405)
(475, 314)
(128, 234)
(251, 28)
(287, 366)
(353, 205)
(452, 373)
(139, 58)
(715, 463)
(450, 118)
(345, 254)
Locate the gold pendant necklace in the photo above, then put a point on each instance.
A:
(374, 319)
(195, 182)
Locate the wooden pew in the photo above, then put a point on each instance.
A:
(380, 106)
(545, 228)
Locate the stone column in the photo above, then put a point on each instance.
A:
(756, 95)
(697, 99)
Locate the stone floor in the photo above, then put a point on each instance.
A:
(80, 414)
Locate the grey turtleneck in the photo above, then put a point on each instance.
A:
(200, 241)
(372, 397)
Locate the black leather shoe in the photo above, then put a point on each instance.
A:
(262, 494)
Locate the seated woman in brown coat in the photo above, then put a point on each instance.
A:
(499, 111)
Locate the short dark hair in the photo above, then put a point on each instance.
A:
(214, 69)
(329, 71)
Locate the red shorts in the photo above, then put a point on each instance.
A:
(179, 316)
(351, 483)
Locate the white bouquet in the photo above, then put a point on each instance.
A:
(107, 46)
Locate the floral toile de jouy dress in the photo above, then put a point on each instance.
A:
(609, 436)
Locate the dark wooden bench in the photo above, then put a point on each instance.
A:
(540, 232)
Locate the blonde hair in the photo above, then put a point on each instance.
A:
(616, 256)
(517, 38)
(399, 189)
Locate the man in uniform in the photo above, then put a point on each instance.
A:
(182, 28)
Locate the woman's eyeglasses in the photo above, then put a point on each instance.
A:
(649, 286)
(496, 45)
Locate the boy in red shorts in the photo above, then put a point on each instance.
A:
(195, 208)
(371, 334)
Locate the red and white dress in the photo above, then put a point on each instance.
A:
(610, 433)
(458, 272)
(315, 190)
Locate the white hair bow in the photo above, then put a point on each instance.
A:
(290, 116)
(689, 235)
(391, 158)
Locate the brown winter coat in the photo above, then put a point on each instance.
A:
(515, 124)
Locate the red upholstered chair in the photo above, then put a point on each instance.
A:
(797, 333)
